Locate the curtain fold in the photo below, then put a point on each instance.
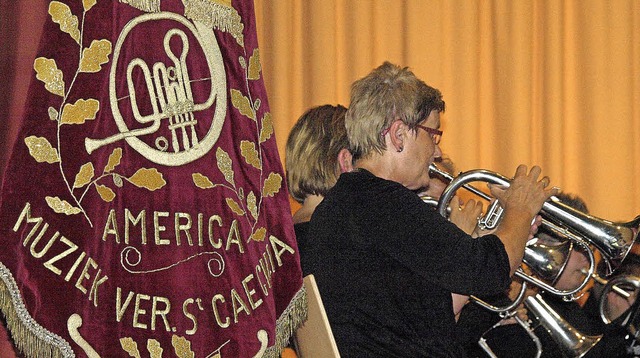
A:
(546, 82)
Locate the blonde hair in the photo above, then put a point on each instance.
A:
(311, 153)
(388, 93)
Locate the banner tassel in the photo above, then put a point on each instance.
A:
(30, 338)
(289, 321)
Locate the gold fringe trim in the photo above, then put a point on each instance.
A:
(217, 16)
(33, 340)
(144, 5)
(290, 320)
(30, 338)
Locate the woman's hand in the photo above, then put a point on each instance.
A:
(525, 192)
(537, 221)
(465, 216)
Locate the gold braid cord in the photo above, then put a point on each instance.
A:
(289, 321)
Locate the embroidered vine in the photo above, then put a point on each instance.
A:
(90, 60)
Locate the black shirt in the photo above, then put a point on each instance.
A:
(386, 264)
(301, 229)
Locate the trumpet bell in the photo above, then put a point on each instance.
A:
(572, 342)
(547, 261)
(613, 240)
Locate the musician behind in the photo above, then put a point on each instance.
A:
(316, 154)
(385, 262)
(618, 339)
(509, 339)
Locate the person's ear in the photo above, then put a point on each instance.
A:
(345, 160)
(397, 135)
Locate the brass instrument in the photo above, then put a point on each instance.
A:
(482, 342)
(572, 342)
(613, 240)
(619, 285)
(548, 261)
(545, 261)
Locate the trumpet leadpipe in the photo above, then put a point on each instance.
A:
(617, 289)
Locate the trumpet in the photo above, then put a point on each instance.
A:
(613, 240)
(482, 342)
(623, 286)
(548, 262)
(571, 341)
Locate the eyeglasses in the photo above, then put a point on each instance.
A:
(435, 134)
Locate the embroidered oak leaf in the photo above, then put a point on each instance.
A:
(267, 127)
(95, 55)
(259, 235)
(254, 65)
(61, 206)
(114, 160)
(150, 179)
(234, 206)
(201, 181)
(79, 112)
(154, 348)
(53, 114)
(61, 14)
(250, 154)
(252, 205)
(130, 346)
(105, 193)
(242, 104)
(272, 184)
(224, 164)
(47, 71)
(84, 176)
(88, 4)
(182, 347)
(41, 150)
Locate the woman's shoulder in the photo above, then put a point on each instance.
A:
(363, 180)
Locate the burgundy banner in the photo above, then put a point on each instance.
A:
(144, 211)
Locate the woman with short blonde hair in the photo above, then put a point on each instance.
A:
(311, 153)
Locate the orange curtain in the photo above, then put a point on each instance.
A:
(547, 82)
